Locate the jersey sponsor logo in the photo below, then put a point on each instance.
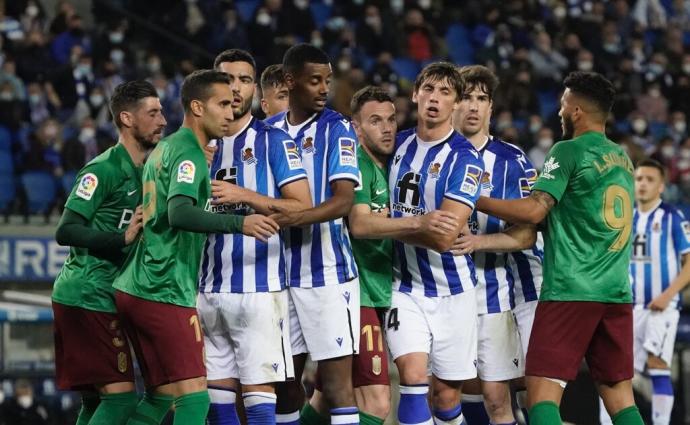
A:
(131, 192)
(549, 166)
(487, 187)
(525, 187)
(686, 229)
(348, 151)
(308, 145)
(87, 186)
(185, 172)
(292, 154)
(408, 194)
(470, 182)
(248, 156)
(639, 248)
(531, 175)
(434, 170)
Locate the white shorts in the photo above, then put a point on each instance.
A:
(524, 318)
(654, 333)
(324, 321)
(443, 327)
(246, 336)
(499, 352)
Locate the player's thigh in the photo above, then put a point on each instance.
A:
(258, 328)
(661, 332)
(499, 352)
(220, 359)
(640, 354)
(610, 354)
(524, 318)
(453, 323)
(297, 344)
(406, 328)
(370, 366)
(560, 337)
(329, 319)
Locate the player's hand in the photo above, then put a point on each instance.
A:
(134, 226)
(661, 302)
(227, 193)
(259, 226)
(209, 151)
(438, 222)
(466, 244)
(285, 217)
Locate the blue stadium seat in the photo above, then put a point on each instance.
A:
(460, 49)
(6, 162)
(39, 187)
(548, 103)
(320, 12)
(406, 68)
(67, 181)
(246, 9)
(658, 129)
(7, 190)
(5, 139)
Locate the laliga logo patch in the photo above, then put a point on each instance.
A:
(470, 182)
(87, 186)
(348, 153)
(185, 172)
(525, 187)
(292, 154)
(434, 170)
(248, 156)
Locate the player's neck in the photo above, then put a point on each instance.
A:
(645, 207)
(587, 127)
(200, 134)
(297, 115)
(135, 150)
(239, 124)
(478, 140)
(379, 160)
(429, 132)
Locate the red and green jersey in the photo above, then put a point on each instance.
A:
(374, 257)
(164, 267)
(588, 232)
(106, 193)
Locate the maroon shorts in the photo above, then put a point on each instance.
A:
(166, 338)
(565, 332)
(90, 349)
(370, 366)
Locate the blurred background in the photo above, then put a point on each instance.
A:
(60, 60)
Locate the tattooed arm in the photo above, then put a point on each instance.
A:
(531, 210)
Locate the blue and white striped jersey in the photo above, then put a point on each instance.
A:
(508, 174)
(422, 174)
(660, 238)
(263, 159)
(321, 254)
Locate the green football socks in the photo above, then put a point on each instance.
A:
(115, 409)
(545, 413)
(628, 416)
(89, 404)
(151, 409)
(191, 409)
(309, 416)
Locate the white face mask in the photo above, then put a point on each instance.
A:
(32, 11)
(545, 143)
(25, 401)
(639, 125)
(585, 65)
(96, 99)
(655, 92)
(116, 37)
(263, 18)
(668, 151)
(680, 126)
(117, 56)
(685, 153)
(86, 134)
(686, 68)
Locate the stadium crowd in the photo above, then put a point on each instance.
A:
(58, 71)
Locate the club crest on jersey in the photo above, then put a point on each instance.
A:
(470, 182)
(308, 145)
(292, 154)
(376, 365)
(348, 151)
(185, 172)
(87, 186)
(248, 156)
(434, 170)
(656, 227)
(686, 229)
(487, 187)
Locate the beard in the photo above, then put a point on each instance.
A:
(568, 127)
(244, 108)
(146, 141)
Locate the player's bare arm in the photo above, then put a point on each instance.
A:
(531, 210)
(295, 196)
(444, 241)
(661, 302)
(514, 238)
(366, 224)
(337, 206)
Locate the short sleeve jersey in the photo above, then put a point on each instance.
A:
(106, 193)
(374, 257)
(165, 264)
(588, 233)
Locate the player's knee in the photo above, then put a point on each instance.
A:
(496, 404)
(376, 401)
(337, 394)
(445, 398)
(290, 396)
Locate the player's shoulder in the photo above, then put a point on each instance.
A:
(506, 149)
(335, 120)
(403, 135)
(673, 211)
(463, 147)
(273, 120)
(274, 133)
(108, 161)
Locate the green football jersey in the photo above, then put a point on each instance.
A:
(107, 192)
(164, 266)
(588, 232)
(374, 257)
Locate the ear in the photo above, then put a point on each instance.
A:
(127, 119)
(414, 97)
(197, 108)
(289, 80)
(264, 106)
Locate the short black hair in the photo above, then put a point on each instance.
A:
(234, 55)
(126, 97)
(441, 71)
(594, 87)
(298, 55)
(367, 94)
(481, 77)
(272, 76)
(653, 163)
(197, 85)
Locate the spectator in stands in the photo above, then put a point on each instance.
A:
(544, 141)
(650, 14)
(652, 105)
(45, 145)
(23, 409)
(549, 65)
(34, 59)
(229, 31)
(74, 35)
(73, 81)
(420, 39)
(639, 132)
(11, 107)
(666, 153)
(41, 105)
(8, 75)
(678, 127)
(374, 33)
(518, 94)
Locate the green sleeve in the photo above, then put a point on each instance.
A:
(188, 173)
(184, 215)
(559, 166)
(363, 191)
(90, 189)
(73, 231)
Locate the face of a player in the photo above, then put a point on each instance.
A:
(242, 85)
(309, 89)
(649, 184)
(275, 100)
(148, 122)
(217, 113)
(566, 114)
(376, 127)
(436, 101)
(473, 113)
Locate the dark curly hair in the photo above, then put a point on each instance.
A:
(593, 87)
